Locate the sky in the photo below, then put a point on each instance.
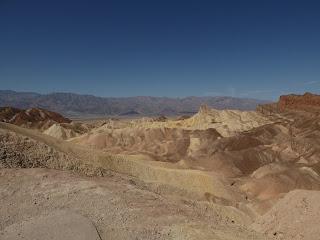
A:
(252, 49)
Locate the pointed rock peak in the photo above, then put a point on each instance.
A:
(204, 109)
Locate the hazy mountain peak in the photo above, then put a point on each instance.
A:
(78, 104)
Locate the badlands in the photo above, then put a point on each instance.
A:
(219, 174)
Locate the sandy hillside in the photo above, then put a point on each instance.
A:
(112, 207)
(295, 216)
(66, 131)
(280, 155)
(226, 122)
(27, 148)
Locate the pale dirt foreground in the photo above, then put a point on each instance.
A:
(51, 204)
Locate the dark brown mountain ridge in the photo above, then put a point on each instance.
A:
(32, 118)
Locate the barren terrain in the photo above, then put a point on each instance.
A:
(219, 174)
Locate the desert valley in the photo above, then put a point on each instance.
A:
(159, 120)
(216, 174)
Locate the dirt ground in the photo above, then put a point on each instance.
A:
(114, 204)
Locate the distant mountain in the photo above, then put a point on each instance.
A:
(71, 104)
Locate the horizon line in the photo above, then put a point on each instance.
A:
(134, 96)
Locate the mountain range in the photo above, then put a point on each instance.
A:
(71, 104)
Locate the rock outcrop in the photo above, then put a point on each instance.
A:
(307, 102)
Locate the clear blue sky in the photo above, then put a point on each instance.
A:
(257, 48)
